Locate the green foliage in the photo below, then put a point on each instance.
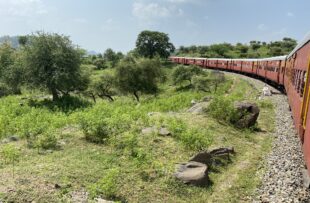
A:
(10, 70)
(222, 109)
(138, 77)
(95, 129)
(112, 57)
(183, 73)
(102, 86)
(53, 62)
(191, 137)
(10, 153)
(100, 64)
(255, 49)
(45, 141)
(106, 186)
(201, 83)
(150, 44)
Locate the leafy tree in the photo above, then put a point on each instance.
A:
(150, 44)
(112, 57)
(138, 77)
(103, 87)
(201, 83)
(22, 40)
(100, 64)
(185, 73)
(53, 63)
(10, 69)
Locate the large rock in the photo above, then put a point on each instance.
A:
(206, 157)
(193, 173)
(247, 114)
(198, 108)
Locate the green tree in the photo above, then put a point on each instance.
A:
(138, 77)
(185, 73)
(150, 44)
(53, 63)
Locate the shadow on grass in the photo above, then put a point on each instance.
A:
(65, 104)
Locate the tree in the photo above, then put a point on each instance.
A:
(10, 70)
(112, 57)
(138, 77)
(53, 63)
(102, 87)
(185, 73)
(150, 44)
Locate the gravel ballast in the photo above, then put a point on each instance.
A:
(282, 180)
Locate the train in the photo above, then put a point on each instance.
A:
(290, 72)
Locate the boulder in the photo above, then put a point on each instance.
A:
(202, 157)
(206, 157)
(12, 138)
(206, 99)
(149, 130)
(164, 132)
(198, 108)
(247, 114)
(194, 173)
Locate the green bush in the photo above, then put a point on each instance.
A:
(95, 130)
(222, 109)
(46, 141)
(106, 186)
(191, 137)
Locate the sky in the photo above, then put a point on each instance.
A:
(100, 24)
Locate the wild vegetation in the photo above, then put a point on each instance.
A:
(254, 49)
(85, 140)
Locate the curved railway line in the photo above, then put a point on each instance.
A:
(289, 161)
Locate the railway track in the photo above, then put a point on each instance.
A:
(282, 180)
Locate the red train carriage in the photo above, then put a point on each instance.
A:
(247, 65)
(282, 71)
(200, 62)
(262, 64)
(212, 63)
(297, 84)
(272, 68)
(223, 63)
(236, 65)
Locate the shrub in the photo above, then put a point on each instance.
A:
(183, 73)
(10, 154)
(96, 130)
(46, 141)
(222, 109)
(201, 83)
(106, 186)
(191, 137)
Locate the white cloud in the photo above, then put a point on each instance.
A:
(22, 8)
(151, 13)
(262, 27)
(151, 10)
(290, 14)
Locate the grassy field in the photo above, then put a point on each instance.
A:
(129, 166)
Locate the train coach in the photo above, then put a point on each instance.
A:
(292, 72)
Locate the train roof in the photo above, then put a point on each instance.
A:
(277, 58)
(300, 44)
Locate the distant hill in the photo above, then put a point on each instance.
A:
(13, 40)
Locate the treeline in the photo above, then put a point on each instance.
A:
(255, 49)
(52, 63)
